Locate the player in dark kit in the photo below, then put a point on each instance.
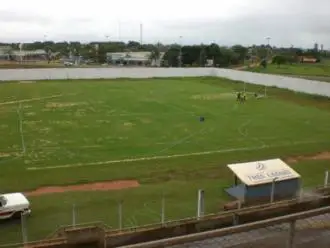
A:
(239, 96)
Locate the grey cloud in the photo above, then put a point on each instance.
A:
(298, 22)
(302, 27)
(16, 17)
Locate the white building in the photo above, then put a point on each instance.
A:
(133, 58)
(7, 53)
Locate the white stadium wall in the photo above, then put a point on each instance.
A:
(296, 84)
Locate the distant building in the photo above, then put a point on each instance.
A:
(209, 63)
(34, 55)
(4, 55)
(305, 59)
(316, 47)
(7, 53)
(321, 47)
(133, 58)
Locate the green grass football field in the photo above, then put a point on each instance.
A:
(85, 131)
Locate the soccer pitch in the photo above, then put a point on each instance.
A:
(78, 132)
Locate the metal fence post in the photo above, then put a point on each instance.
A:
(163, 210)
(292, 231)
(236, 216)
(272, 193)
(24, 228)
(301, 192)
(120, 215)
(326, 178)
(73, 215)
(200, 204)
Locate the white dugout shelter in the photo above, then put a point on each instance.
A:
(259, 180)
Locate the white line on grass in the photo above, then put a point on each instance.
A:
(19, 113)
(138, 159)
(181, 141)
(32, 99)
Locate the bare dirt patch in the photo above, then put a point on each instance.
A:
(27, 82)
(211, 97)
(63, 104)
(145, 120)
(4, 155)
(101, 186)
(30, 114)
(128, 124)
(318, 156)
(29, 100)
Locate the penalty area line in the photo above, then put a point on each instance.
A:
(138, 159)
(35, 99)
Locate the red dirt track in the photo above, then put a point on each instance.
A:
(100, 186)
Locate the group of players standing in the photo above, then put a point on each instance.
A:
(241, 96)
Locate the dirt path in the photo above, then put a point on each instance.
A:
(100, 186)
(318, 156)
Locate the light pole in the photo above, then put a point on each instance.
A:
(108, 40)
(268, 46)
(180, 55)
(21, 51)
(45, 47)
(272, 193)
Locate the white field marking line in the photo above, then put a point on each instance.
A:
(19, 113)
(104, 146)
(181, 141)
(177, 108)
(140, 114)
(33, 99)
(227, 140)
(137, 159)
(245, 132)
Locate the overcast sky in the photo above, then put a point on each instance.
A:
(226, 22)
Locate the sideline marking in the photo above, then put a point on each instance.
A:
(137, 159)
(33, 99)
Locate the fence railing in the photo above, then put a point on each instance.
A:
(54, 237)
(292, 219)
(320, 192)
(301, 197)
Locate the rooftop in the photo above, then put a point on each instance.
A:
(262, 172)
(132, 55)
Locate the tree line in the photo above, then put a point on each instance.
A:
(176, 55)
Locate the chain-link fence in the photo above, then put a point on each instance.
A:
(314, 231)
(123, 214)
(119, 214)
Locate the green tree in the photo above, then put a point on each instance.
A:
(241, 51)
(279, 60)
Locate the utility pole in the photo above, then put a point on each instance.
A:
(180, 55)
(268, 46)
(141, 33)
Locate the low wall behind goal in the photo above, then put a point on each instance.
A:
(99, 73)
(296, 84)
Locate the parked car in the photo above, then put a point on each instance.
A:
(13, 205)
(67, 63)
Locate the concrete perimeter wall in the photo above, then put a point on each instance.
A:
(296, 84)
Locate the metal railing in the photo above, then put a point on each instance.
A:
(222, 214)
(292, 218)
